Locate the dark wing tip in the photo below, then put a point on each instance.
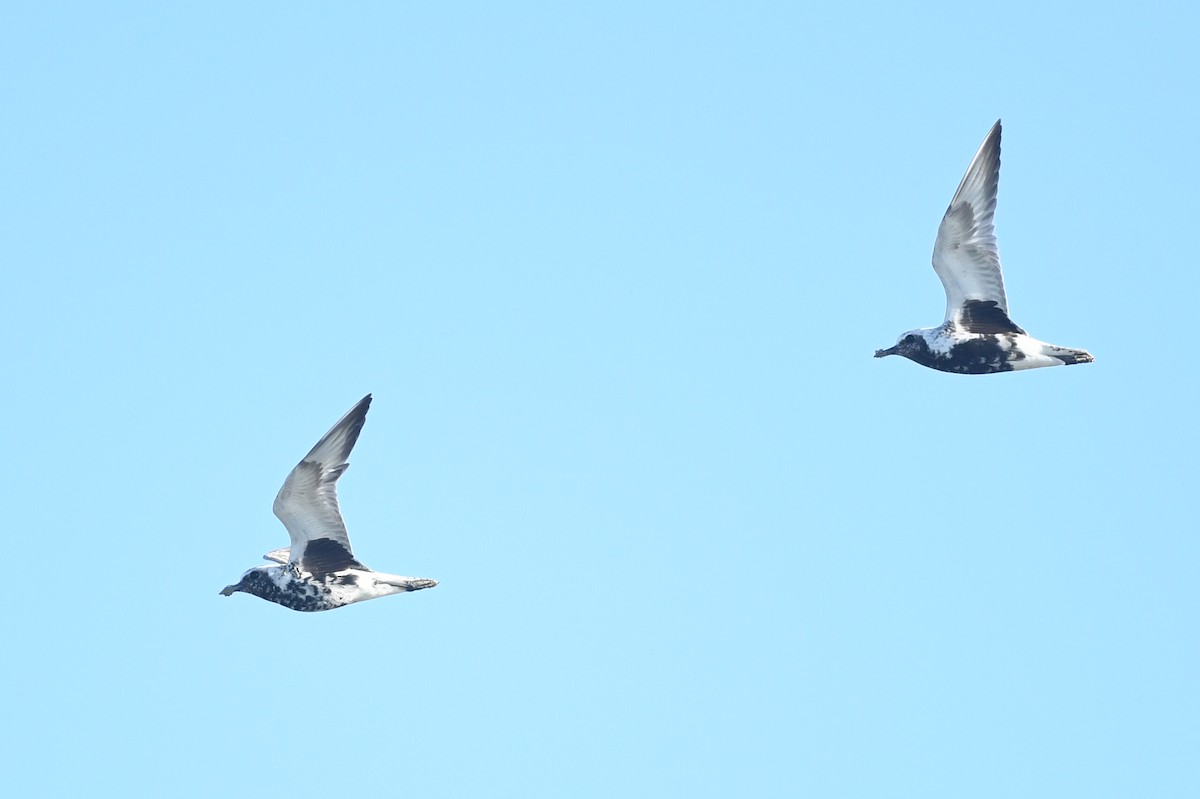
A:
(352, 423)
(993, 134)
(981, 182)
(345, 433)
(359, 411)
(358, 414)
(992, 142)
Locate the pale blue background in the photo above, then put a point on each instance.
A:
(614, 273)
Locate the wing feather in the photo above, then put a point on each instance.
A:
(307, 503)
(966, 256)
(277, 555)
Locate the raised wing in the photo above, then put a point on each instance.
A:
(307, 503)
(278, 555)
(965, 255)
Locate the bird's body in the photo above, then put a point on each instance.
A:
(977, 349)
(319, 571)
(289, 586)
(977, 337)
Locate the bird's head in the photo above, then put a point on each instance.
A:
(229, 590)
(907, 345)
(250, 580)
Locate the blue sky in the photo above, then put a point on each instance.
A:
(614, 273)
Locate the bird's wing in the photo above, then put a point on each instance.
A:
(966, 256)
(277, 555)
(307, 503)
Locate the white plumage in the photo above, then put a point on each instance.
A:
(977, 336)
(318, 571)
(965, 255)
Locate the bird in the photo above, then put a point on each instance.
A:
(319, 571)
(978, 336)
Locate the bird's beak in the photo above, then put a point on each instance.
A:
(228, 590)
(888, 351)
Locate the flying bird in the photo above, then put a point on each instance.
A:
(978, 337)
(319, 571)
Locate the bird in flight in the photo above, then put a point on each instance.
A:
(319, 571)
(978, 337)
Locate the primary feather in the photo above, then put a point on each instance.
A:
(307, 503)
(965, 255)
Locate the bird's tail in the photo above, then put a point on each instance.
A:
(1069, 356)
(404, 583)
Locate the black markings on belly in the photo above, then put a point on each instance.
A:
(295, 593)
(975, 356)
(978, 356)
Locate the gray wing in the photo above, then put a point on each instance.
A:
(307, 503)
(966, 256)
(278, 555)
